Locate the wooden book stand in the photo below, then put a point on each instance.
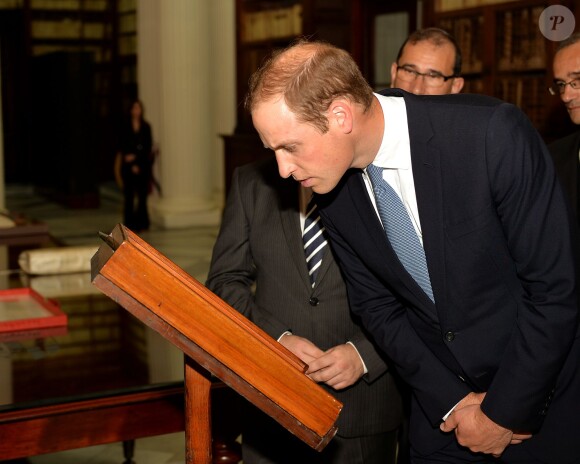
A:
(216, 340)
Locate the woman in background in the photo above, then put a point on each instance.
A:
(136, 165)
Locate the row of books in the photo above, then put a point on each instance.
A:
(271, 24)
(519, 43)
(94, 5)
(467, 32)
(526, 92)
(450, 5)
(127, 23)
(67, 29)
(519, 40)
(127, 45)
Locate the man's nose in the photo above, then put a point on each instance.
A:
(568, 94)
(419, 87)
(285, 168)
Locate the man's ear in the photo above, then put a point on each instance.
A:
(458, 83)
(394, 67)
(340, 115)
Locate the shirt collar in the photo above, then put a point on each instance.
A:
(395, 146)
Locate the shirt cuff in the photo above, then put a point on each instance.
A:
(452, 409)
(285, 333)
(360, 357)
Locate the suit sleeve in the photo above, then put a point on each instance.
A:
(538, 233)
(232, 272)
(373, 359)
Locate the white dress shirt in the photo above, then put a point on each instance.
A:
(395, 156)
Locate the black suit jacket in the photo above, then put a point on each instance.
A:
(258, 266)
(565, 155)
(498, 248)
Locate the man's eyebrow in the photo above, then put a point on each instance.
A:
(415, 67)
(283, 145)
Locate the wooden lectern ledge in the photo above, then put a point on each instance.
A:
(214, 335)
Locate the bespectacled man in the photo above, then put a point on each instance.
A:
(566, 68)
(428, 63)
(565, 151)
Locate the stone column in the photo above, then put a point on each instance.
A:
(223, 81)
(181, 54)
(186, 80)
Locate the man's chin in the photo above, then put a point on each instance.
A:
(323, 188)
(574, 115)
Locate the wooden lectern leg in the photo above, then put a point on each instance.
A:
(198, 442)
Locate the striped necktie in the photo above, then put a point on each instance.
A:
(314, 238)
(399, 229)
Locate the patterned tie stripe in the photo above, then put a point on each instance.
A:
(314, 241)
(400, 230)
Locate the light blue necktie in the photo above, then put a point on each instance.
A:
(399, 229)
(314, 238)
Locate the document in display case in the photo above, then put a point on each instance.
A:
(26, 314)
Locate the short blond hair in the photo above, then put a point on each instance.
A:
(309, 76)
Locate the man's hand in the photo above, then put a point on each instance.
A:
(470, 399)
(339, 367)
(476, 431)
(301, 347)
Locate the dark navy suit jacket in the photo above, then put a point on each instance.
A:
(565, 155)
(498, 245)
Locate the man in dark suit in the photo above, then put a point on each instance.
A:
(566, 151)
(260, 244)
(480, 318)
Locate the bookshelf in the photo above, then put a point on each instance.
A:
(74, 26)
(127, 50)
(100, 35)
(505, 54)
(71, 49)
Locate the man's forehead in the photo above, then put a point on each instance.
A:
(427, 53)
(567, 61)
(428, 43)
(275, 102)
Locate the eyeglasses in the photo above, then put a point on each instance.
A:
(559, 87)
(431, 79)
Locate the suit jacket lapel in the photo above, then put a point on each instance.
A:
(425, 158)
(290, 219)
(368, 217)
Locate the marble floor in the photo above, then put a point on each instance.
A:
(188, 248)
